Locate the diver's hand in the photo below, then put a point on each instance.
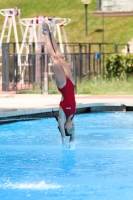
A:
(64, 143)
(71, 145)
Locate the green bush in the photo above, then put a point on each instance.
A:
(128, 64)
(119, 65)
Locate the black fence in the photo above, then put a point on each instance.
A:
(31, 69)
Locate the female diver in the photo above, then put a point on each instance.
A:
(65, 84)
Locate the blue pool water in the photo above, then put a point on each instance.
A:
(34, 166)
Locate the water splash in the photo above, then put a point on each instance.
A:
(30, 186)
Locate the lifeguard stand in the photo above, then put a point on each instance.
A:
(10, 15)
(33, 30)
(33, 33)
(60, 33)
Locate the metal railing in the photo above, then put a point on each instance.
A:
(33, 71)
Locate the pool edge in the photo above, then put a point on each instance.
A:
(10, 116)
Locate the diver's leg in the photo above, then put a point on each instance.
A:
(65, 65)
(55, 45)
(59, 73)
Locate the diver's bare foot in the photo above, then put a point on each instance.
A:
(45, 28)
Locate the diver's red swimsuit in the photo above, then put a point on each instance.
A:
(68, 104)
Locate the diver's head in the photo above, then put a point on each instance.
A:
(69, 128)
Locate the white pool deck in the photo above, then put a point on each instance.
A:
(24, 104)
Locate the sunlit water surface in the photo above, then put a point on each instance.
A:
(34, 166)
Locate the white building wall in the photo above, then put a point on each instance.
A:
(117, 5)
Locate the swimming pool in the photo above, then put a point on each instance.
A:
(34, 166)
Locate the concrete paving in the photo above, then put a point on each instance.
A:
(13, 105)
